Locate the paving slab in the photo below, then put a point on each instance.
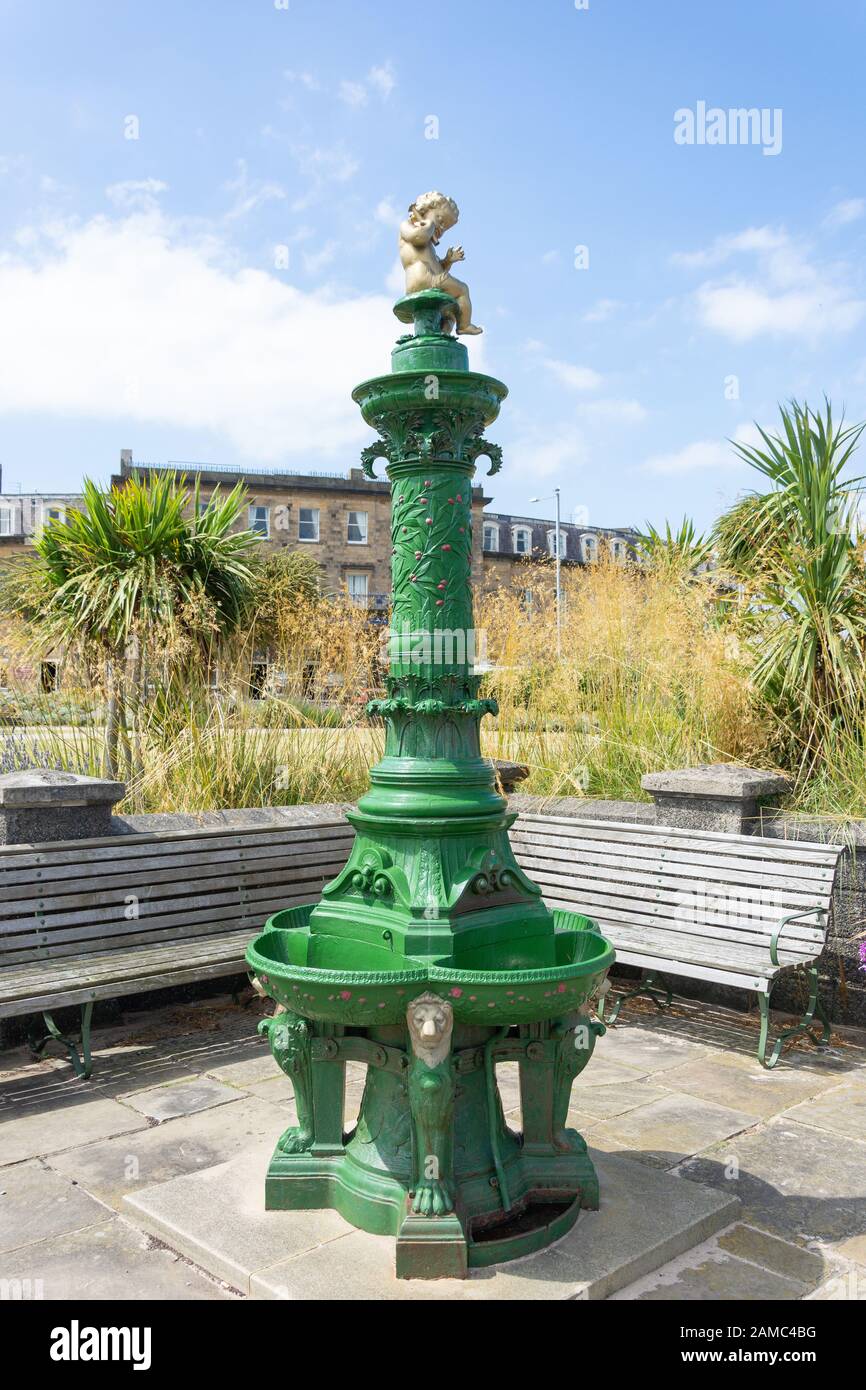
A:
(217, 1219)
(605, 1102)
(601, 1071)
(801, 1183)
(782, 1257)
(742, 1083)
(665, 1131)
(648, 1051)
(842, 1111)
(185, 1097)
(112, 1170)
(720, 1277)
(108, 1261)
(36, 1204)
(260, 1067)
(30, 1135)
(846, 1286)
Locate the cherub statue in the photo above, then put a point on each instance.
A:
(431, 1102)
(430, 216)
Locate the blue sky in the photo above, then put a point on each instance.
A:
(145, 299)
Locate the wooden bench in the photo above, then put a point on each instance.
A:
(730, 909)
(82, 920)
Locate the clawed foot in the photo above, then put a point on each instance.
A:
(569, 1141)
(432, 1198)
(295, 1141)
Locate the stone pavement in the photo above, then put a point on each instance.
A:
(186, 1102)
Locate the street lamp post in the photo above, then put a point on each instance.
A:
(555, 494)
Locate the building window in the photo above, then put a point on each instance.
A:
(357, 587)
(48, 677)
(491, 536)
(618, 550)
(308, 523)
(357, 529)
(563, 543)
(589, 549)
(522, 539)
(260, 521)
(53, 514)
(5, 521)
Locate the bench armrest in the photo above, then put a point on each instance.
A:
(819, 912)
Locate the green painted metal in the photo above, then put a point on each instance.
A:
(813, 1008)
(432, 901)
(82, 1062)
(648, 986)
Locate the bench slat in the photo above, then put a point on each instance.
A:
(708, 842)
(684, 866)
(24, 883)
(639, 852)
(107, 848)
(168, 888)
(721, 915)
(746, 901)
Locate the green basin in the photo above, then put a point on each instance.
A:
(380, 992)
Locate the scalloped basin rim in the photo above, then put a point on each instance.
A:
(367, 996)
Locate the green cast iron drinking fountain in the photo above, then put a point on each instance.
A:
(431, 956)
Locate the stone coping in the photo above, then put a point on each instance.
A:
(727, 780)
(47, 787)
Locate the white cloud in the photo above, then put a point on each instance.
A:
(250, 193)
(602, 310)
(848, 210)
(302, 79)
(315, 261)
(386, 212)
(611, 410)
(130, 318)
(741, 311)
(544, 454)
(701, 456)
(785, 294)
(575, 378)
(139, 194)
(752, 239)
(382, 79)
(353, 93)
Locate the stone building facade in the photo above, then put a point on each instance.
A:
(24, 514)
(344, 520)
(519, 551)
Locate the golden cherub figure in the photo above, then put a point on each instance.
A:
(430, 216)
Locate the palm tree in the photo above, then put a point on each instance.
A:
(143, 571)
(797, 548)
(682, 551)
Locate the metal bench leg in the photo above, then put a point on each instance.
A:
(81, 1066)
(813, 1011)
(648, 987)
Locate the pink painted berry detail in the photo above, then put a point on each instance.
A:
(560, 989)
(345, 994)
(455, 992)
(446, 547)
(451, 501)
(429, 520)
(418, 554)
(441, 584)
(439, 602)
